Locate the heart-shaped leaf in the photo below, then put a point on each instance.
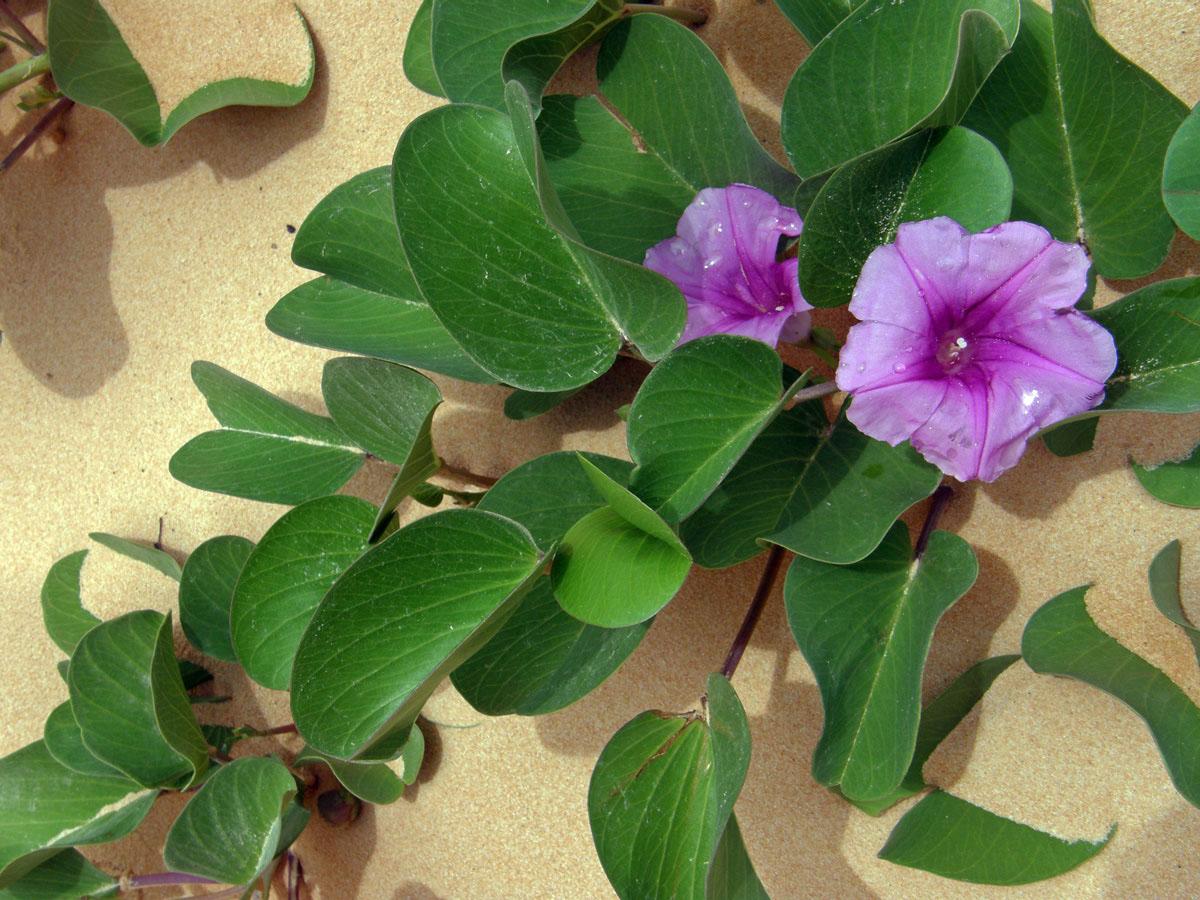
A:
(1164, 591)
(865, 631)
(285, 577)
(63, 613)
(1177, 483)
(1181, 176)
(1084, 131)
(418, 51)
(404, 616)
(150, 556)
(206, 593)
(935, 54)
(64, 741)
(948, 836)
(938, 172)
(65, 876)
(815, 18)
(380, 406)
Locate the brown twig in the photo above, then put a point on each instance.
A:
(19, 27)
(36, 131)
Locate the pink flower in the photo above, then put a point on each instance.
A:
(724, 261)
(969, 344)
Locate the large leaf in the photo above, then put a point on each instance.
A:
(948, 836)
(1181, 176)
(1062, 639)
(286, 576)
(1157, 332)
(130, 703)
(399, 620)
(63, 614)
(1176, 482)
(528, 302)
(230, 829)
(418, 51)
(1085, 132)
(151, 556)
(815, 18)
(661, 794)
(64, 741)
(938, 172)
(268, 450)
(45, 807)
(890, 68)
(865, 631)
(826, 492)
(93, 65)
(65, 876)
(1164, 591)
(206, 593)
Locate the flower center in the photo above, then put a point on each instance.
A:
(954, 351)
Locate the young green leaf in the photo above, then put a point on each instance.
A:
(1084, 131)
(378, 783)
(63, 614)
(814, 19)
(64, 741)
(1164, 591)
(935, 54)
(1177, 483)
(151, 556)
(206, 593)
(65, 876)
(865, 630)
(405, 615)
(230, 829)
(285, 577)
(420, 463)
(948, 836)
(418, 52)
(937, 172)
(1181, 176)
(1071, 438)
(379, 405)
(1062, 639)
(268, 450)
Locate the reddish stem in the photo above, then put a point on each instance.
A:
(940, 498)
(754, 613)
(36, 131)
(19, 27)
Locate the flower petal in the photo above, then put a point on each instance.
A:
(937, 253)
(886, 292)
(877, 354)
(894, 412)
(953, 436)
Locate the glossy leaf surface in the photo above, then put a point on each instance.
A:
(65, 876)
(1181, 176)
(418, 51)
(380, 406)
(1164, 591)
(206, 593)
(815, 18)
(63, 613)
(64, 741)
(1177, 483)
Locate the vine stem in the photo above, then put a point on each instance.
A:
(754, 613)
(679, 13)
(467, 475)
(36, 132)
(19, 27)
(289, 728)
(824, 389)
(940, 498)
(163, 879)
(23, 71)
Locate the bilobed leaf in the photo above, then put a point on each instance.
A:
(1157, 332)
(865, 631)
(230, 829)
(815, 18)
(372, 782)
(63, 614)
(1084, 131)
(619, 564)
(130, 704)
(890, 68)
(418, 51)
(65, 876)
(405, 615)
(1164, 591)
(268, 450)
(1181, 176)
(1177, 483)
(1071, 438)
(206, 592)
(150, 556)
(379, 405)
(826, 492)
(937, 172)
(948, 836)
(285, 577)
(1062, 639)
(45, 807)
(64, 741)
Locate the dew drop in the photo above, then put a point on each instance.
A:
(862, 367)
(947, 263)
(899, 367)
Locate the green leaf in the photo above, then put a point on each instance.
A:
(93, 65)
(230, 829)
(286, 576)
(1071, 438)
(444, 583)
(420, 463)
(129, 701)
(1084, 131)
(1177, 483)
(269, 450)
(814, 19)
(865, 631)
(933, 56)
(948, 836)
(661, 794)
(372, 782)
(542, 659)
(1181, 176)
(521, 405)
(1157, 332)
(1062, 639)
(619, 564)
(62, 606)
(731, 875)
(64, 741)
(380, 406)
(151, 556)
(418, 52)
(675, 95)
(45, 807)
(938, 172)
(1164, 591)
(695, 415)
(826, 492)
(206, 592)
(64, 876)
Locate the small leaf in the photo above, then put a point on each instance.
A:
(935, 54)
(285, 577)
(865, 630)
(1181, 176)
(380, 406)
(420, 463)
(1062, 639)
(65, 876)
(372, 782)
(418, 52)
(520, 405)
(62, 606)
(1071, 438)
(206, 592)
(814, 19)
(151, 556)
(1177, 483)
(1164, 591)
(230, 829)
(948, 836)
(64, 741)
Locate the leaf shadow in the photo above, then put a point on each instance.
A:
(415, 890)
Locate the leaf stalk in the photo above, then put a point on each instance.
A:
(679, 13)
(940, 498)
(23, 71)
(36, 132)
(754, 613)
(27, 36)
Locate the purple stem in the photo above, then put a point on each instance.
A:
(36, 131)
(774, 561)
(940, 498)
(19, 27)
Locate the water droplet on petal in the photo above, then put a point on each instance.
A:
(947, 263)
(899, 367)
(862, 367)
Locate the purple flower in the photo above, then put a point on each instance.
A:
(969, 344)
(724, 262)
